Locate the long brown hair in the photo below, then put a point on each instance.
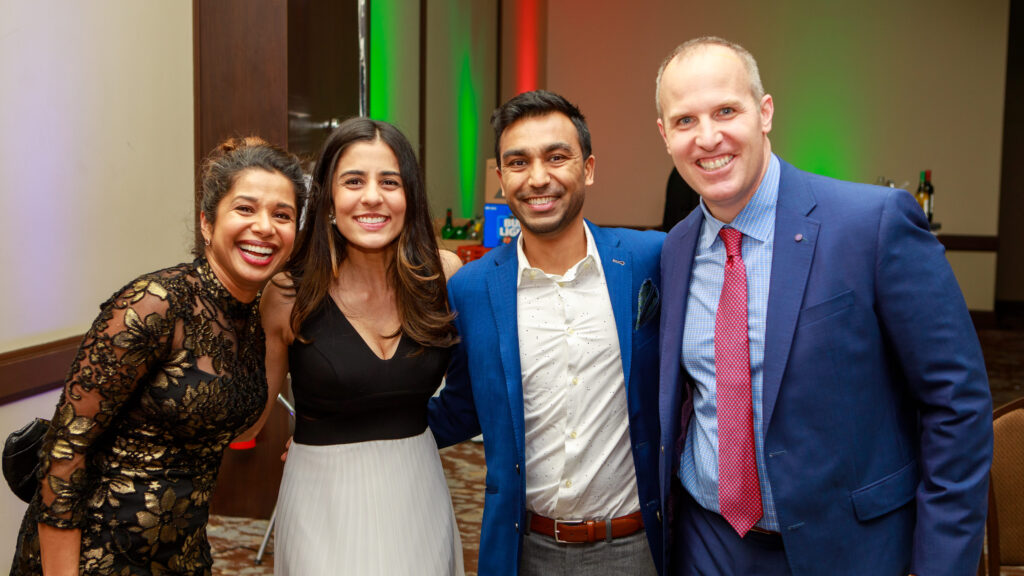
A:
(415, 273)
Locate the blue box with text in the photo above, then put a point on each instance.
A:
(500, 226)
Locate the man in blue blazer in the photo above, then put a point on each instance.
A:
(837, 420)
(557, 365)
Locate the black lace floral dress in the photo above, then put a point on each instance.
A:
(170, 372)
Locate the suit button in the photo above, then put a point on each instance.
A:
(517, 468)
(657, 514)
(662, 448)
(517, 526)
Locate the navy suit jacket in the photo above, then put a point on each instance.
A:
(484, 390)
(877, 411)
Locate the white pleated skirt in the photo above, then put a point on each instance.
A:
(379, 507)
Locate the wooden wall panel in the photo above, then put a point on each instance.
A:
(241, 72)
(241, 88)
(1010, 259)
(249, 479)
(36, 369)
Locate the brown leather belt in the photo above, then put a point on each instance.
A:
(587, 530)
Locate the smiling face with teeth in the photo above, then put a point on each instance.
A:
(544, 174)
(253, 233)
(369, 196)
(714, 129)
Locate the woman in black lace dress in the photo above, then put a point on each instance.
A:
(169, 373)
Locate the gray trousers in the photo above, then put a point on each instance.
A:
(626, 556)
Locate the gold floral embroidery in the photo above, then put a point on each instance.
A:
(172, 370)
(163, 517)
(96, 561)
(140, 337)
(140, 429)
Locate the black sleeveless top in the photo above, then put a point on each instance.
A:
(345, 393)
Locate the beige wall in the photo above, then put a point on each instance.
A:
(403, 30)
(96, 137)
(12, 417)
(512, 19)
(461, 93)
(861, 89)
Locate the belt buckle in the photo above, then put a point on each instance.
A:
(566, 523)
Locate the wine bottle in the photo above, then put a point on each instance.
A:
(447, 231)
(922, 194)
(930, 193)
(475, 227)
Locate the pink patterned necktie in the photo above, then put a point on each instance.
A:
(739, 493)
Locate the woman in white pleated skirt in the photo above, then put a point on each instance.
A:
(379, 507)
(360, 321)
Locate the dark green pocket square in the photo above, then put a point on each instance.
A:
(648, 304)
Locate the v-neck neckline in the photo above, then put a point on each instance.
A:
(366, 344)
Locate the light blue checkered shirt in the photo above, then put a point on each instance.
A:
(698, 469)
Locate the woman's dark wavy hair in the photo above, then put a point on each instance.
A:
(225, 163)
(415, 272)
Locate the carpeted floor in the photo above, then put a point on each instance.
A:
(235, 541)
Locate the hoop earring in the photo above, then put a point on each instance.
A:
(206, 241)
(332, 220)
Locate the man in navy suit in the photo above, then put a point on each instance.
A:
(824, 404)
(558, 365)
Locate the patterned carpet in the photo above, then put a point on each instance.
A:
(235, 541)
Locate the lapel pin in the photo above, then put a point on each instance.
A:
(619, 262)
(798, 237)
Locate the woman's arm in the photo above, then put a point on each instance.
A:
(450, 263)
(59, 550)
(275, 311)
(124, 344)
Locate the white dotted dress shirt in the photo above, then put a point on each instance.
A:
(578, 460)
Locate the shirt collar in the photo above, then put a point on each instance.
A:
(592, 261)
(757, 219)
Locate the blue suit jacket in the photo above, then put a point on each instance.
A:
(877, 411)
(484, 391)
